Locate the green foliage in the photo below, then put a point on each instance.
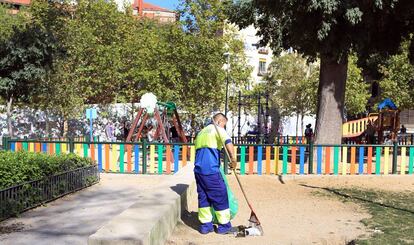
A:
(10, 23)
(239, 70)
(293, 83)
(330, 27)
(26, 56)
(20, 167)
(398, 79)
(357, 91)
(111, 56)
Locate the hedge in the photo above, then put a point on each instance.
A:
(20, 167)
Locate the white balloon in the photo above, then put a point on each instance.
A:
(149, 102)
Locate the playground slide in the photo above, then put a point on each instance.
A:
(355, 128)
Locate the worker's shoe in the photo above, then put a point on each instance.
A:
(206, 228)
(224, 229)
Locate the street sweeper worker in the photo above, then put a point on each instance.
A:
(211, 189)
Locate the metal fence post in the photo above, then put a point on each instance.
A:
(310, 165)
(71, 145)
(144, 156)
(6, 143)
(394, 157)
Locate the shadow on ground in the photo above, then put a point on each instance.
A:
(347, 196)
(71, 219)
(190, 219)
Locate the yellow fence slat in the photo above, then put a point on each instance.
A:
(344, 160)
(152, 159)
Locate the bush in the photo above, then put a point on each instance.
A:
(20, 167)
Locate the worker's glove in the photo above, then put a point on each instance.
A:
(233, 164)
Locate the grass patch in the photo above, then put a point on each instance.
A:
(392, 214)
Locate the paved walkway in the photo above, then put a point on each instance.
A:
(71, 219)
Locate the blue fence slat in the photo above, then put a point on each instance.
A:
(176, 159)
(44, 147)
(259, 159)
(100, 157)
(302, 160)
(361, 160)
(136, 158)
(319, 163)
(13, 146)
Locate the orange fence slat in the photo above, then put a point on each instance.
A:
(107, 157)
(268, 148)
(369, 160)
(251, 155)
(353, 155)
(184, 155)
(168, 159)
(129, 158)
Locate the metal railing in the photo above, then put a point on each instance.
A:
(16, 199)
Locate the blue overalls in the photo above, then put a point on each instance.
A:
(211, 189)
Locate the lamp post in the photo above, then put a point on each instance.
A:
(227, 55)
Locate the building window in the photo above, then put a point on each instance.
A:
(262, 67)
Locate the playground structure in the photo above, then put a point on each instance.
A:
(387, 120)
(261, 132)
(168, 114)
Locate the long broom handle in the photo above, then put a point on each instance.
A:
(234, 171)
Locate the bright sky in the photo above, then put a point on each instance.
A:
(169, 4)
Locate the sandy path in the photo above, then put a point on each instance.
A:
(290, 214)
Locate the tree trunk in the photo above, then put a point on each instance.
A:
(297, 124)
(9, 119)
(275, 117)
(47, 124)
(65, 127)
(331, 98)
(302, 115)
(132, 112)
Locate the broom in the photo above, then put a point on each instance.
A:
(254, 221)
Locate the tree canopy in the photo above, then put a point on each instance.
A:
(329, 29)
(104, 56)
(27, 55)
(293, 82)
(397, 80)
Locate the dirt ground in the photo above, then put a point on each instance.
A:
(291, 212)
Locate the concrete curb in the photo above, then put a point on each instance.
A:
(151, 220)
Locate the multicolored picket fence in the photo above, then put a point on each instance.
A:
(156, 158)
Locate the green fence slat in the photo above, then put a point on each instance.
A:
(121, 158)
(243, 160)
(285, 158)
(377, 160)
(85, 150)
(25, 146)
(58, 149)
(336, 160)
(411, 166)
(160, 155)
